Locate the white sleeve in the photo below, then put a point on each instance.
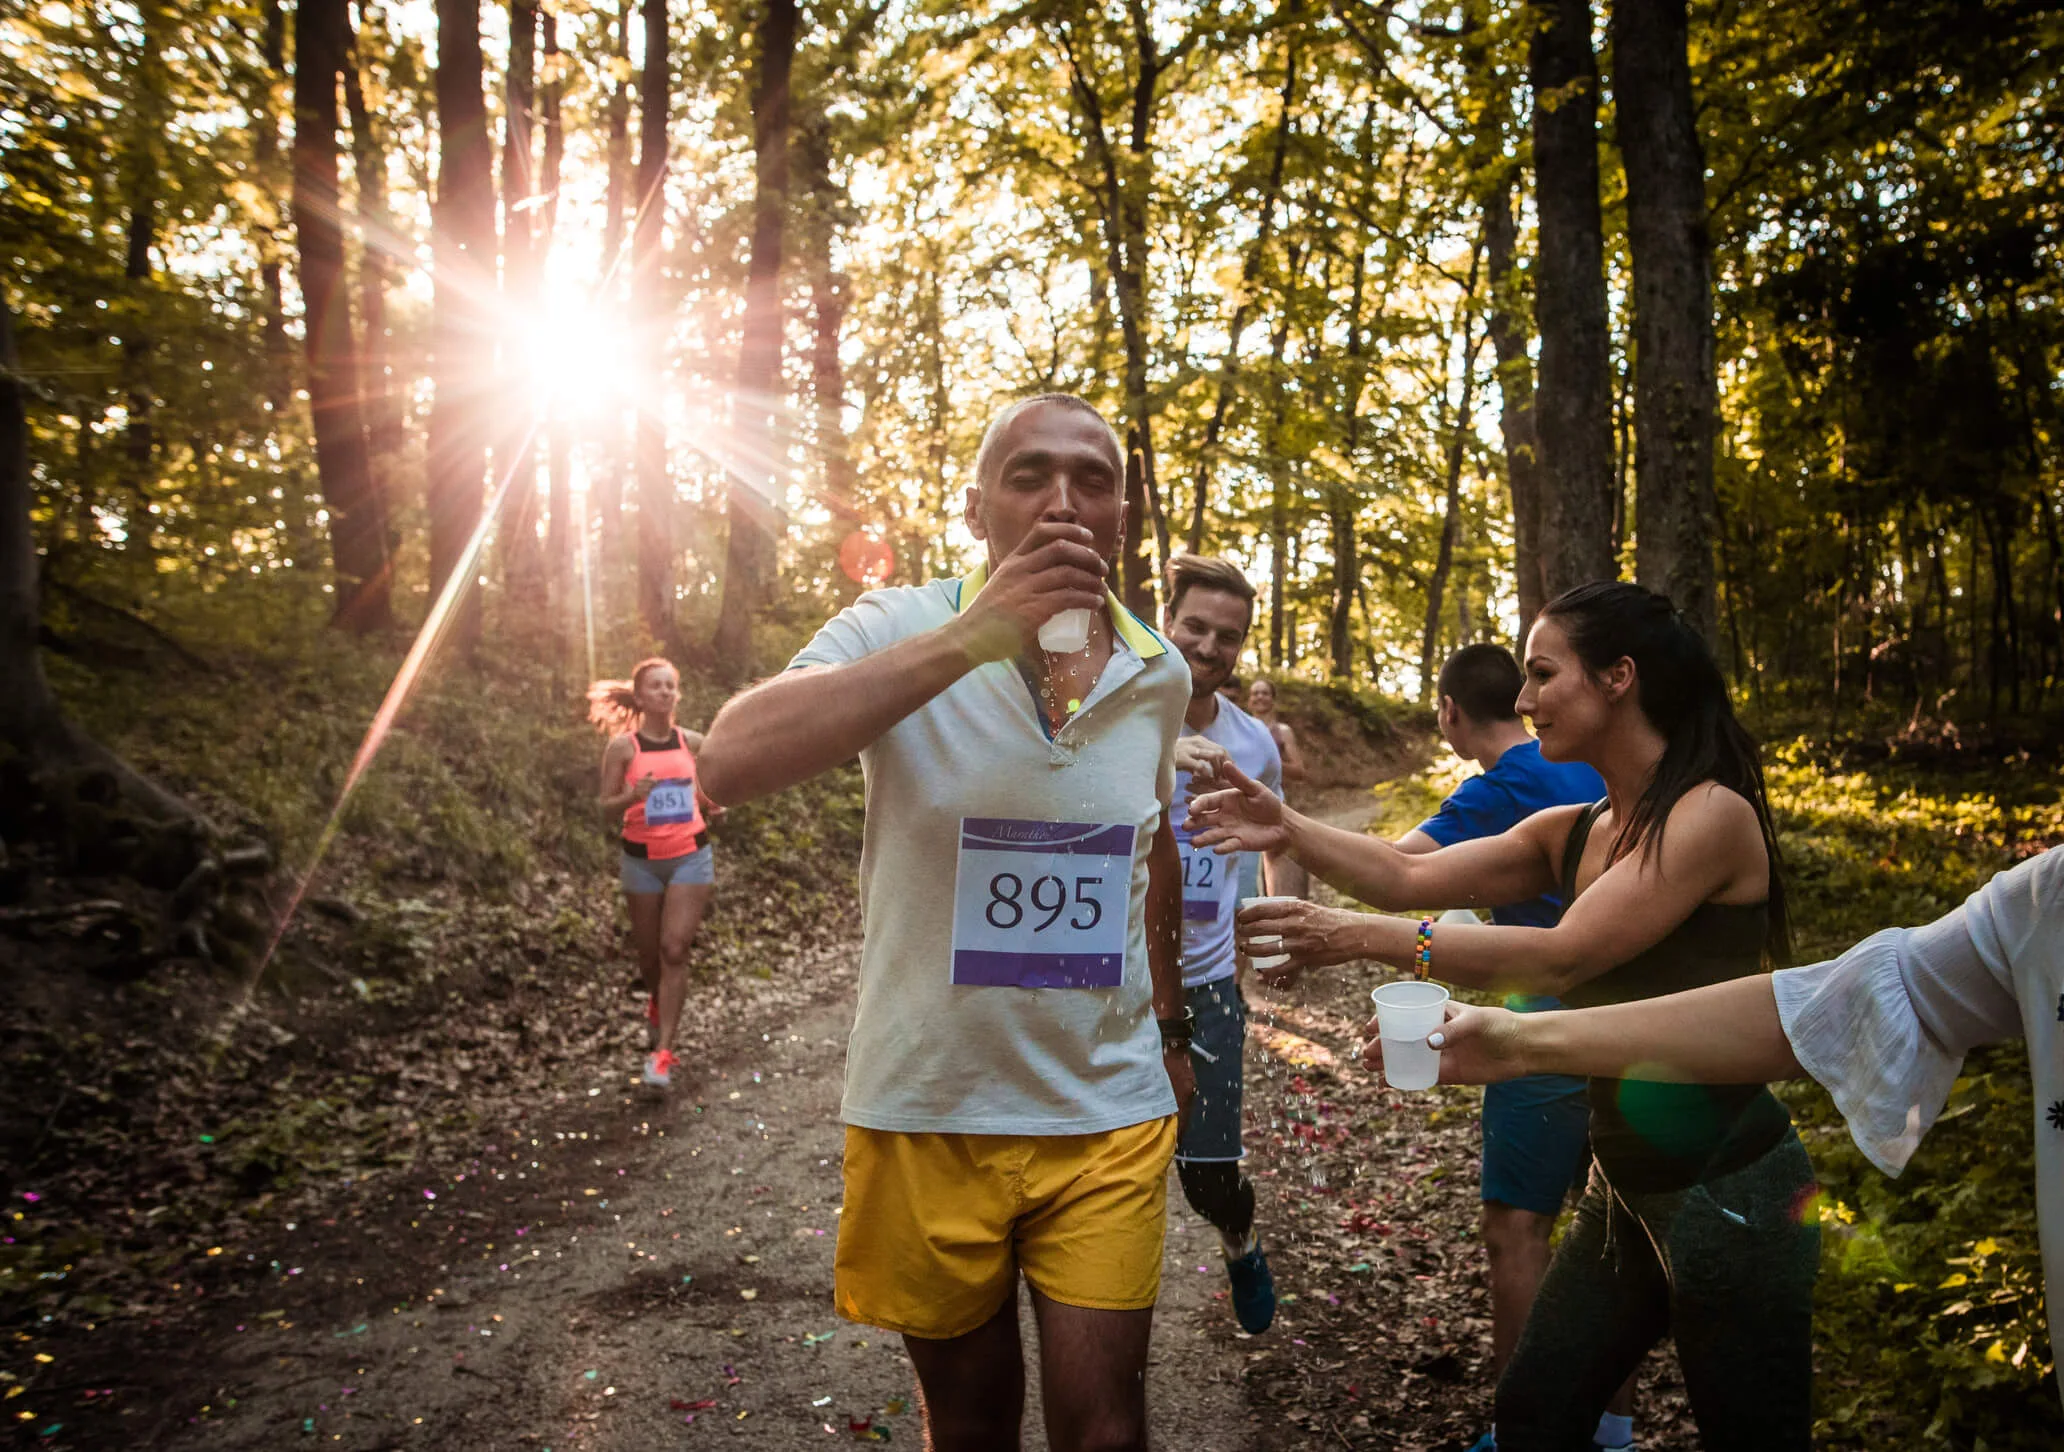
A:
(867, 625)
(1886, 1026)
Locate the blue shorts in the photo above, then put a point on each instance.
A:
(657, 874)
(1217, 1039)
(1536, 1141)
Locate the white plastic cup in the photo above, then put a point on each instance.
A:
(1269, 960)
(1406, 1012)
(1065, 633)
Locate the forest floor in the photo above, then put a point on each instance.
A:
(599, 1267)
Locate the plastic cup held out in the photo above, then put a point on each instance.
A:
(1406, 1012)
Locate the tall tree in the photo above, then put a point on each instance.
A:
(655, 483)
(149, 100)
(754, 506)
(1674, 389)
(1451, 507)
(609, 491)
(1573, 407)
(464, 230)
(559, 540)
(822, 216)
(516, 447)
(1251, 264)
(279, 351)
(32, 722)
(376, 268)
(1121, 184)
(358, 517)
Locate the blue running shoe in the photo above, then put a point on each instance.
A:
(1488, 1442)
(1254, 1291)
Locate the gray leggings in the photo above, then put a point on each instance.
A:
(1727, 1267)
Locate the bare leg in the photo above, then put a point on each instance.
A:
(685, 904)
(1093, 1376)
(645, 915)
(972, 1387)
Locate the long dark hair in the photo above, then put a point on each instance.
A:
(1683, 693)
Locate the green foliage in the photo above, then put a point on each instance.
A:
(1930, 1325)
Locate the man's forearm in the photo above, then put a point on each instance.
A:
(1164, 923)
(806, 722)
(1728, 1033)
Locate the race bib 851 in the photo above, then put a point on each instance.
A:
(1041, 904)
(671, 803)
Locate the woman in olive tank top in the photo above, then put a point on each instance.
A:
(1695, 1223)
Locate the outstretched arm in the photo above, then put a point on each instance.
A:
(806, 721)
(1247, 817)
(1728, 1033)
(1712, 850)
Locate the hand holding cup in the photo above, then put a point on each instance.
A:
(1470, 1046)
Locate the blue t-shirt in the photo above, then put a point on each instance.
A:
(1519, 784)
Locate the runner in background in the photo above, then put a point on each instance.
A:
(1536, 1130)
(1290, 878)
(1010, 1099)
(1210, 607)
(668, 868)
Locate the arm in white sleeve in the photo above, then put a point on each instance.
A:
(1886, 1026)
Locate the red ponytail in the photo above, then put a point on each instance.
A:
(613, 705)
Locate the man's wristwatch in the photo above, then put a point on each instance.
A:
(1175, 1032)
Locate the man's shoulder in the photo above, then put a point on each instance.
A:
(1236, 726)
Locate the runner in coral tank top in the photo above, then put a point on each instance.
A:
(668, 868)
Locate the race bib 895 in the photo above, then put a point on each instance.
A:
(1041, 904)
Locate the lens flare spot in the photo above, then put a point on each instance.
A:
(866, 558)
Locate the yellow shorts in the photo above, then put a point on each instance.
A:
(936, 1227)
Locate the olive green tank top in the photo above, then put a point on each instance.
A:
(1655, 1137)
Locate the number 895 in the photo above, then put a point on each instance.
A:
(1049, 895)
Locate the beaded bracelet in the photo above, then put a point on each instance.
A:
(1422, 955)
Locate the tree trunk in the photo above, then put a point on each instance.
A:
(1675, 402)
(464, 229)
(1508, 334)
(523, 565)
(1279, 475)
(1243, 306)
(1573, 408)
(382, 243)
(279, 350)
(358, 523)
(1443, 561)
(558, 441)
(827, 202)
(754, 502)
(616, 462)
(1121, 193)
(655, 487)
(31, 720)
(149, 92)
(1347, 560)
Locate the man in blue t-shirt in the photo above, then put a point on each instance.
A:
(1536, 1130)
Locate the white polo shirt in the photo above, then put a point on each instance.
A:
(981, 884)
